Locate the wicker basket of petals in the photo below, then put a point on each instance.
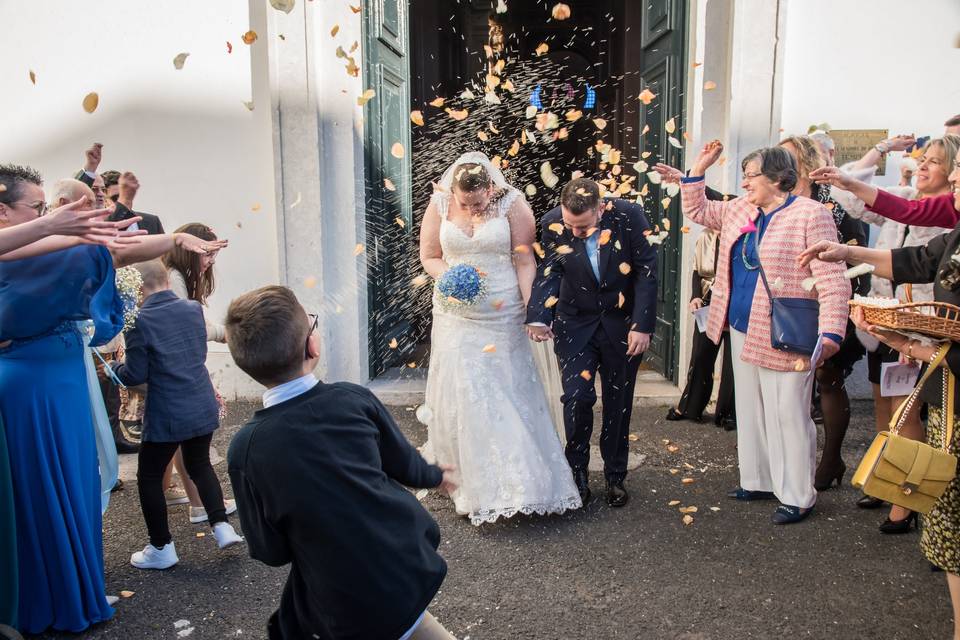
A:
(934, 319)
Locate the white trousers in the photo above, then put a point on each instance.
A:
(776, 437)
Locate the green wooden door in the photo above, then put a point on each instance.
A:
(388, 182)
(663, 71)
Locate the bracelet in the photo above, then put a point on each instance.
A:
(910, 350)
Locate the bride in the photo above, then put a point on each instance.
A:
(486, 409)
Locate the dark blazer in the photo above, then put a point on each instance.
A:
(150, 223)
(582, 303)
(167, 350)
(319, 485)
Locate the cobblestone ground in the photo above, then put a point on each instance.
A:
(636, 572)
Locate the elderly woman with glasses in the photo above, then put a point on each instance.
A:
(769, 227)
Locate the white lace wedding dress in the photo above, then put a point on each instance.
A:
(488, 412)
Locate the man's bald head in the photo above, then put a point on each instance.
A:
(69, 190)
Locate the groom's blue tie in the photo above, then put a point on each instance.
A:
(592, 245)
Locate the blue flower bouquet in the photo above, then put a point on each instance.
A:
(461, 286)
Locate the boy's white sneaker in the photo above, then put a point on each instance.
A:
(225, 535)
(153, 558)
(199, 514)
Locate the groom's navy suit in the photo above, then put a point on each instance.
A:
(591, 317)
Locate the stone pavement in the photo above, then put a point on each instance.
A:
(636, 572)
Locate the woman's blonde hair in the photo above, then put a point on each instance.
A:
(950, 144)
(809, 157)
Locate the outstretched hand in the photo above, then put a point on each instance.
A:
(833, 176)
(195, 245)
(90, 226)
(824, 251)
(667, 173)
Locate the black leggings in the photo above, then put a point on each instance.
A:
(153, 460)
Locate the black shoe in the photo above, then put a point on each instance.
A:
(787, 514)
(118, 486)
(728, 423)
(125, 446)
(746, 495)
(617, 496)
(582, 479)
(869, 502)
(674, 415)
(896, 527)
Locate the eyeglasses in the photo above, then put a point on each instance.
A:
(748, 176)
(39, 207)
(314, 323)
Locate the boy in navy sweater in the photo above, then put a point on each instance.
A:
(318, 474)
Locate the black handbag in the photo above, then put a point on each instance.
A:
(794, 322)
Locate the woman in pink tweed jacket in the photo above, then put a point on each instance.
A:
(776, 438)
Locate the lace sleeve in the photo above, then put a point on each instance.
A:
(442, 202)
(507, 200)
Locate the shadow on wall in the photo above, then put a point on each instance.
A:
(193, 166)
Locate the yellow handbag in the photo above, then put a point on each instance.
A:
(905, 472)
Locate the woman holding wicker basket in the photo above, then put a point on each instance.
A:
(937, 262)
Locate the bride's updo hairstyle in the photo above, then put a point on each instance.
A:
(470, 177)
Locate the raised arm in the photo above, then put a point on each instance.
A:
(399, 459)
(431, 253)
(150, 247)
(831, 251)
(882, 148)
(523, 233)
(49, 233)
(694, 202)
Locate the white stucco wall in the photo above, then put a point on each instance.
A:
(881, 64)
(199, 153)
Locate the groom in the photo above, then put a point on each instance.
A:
(596, 295)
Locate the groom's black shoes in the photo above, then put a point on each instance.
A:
(617, 496)
(581, 478)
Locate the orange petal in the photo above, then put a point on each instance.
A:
(624, 268)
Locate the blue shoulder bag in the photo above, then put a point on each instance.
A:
(794, 322)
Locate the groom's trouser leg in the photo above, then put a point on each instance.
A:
(618, 377)
(579, 398)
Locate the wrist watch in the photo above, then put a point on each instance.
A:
(882, 147)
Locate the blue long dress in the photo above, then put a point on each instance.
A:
(45, 411)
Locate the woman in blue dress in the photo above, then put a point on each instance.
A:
(45, 407)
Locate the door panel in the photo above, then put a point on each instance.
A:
(663, 71)
(389, 212)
